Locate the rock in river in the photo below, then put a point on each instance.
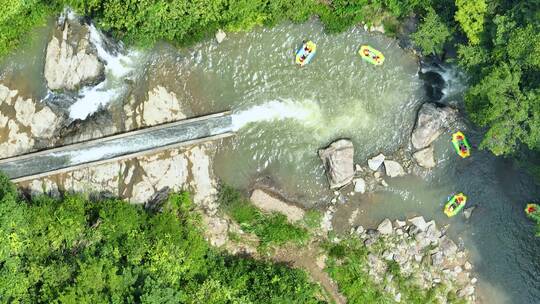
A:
(338, 162)
(430, 123)
(425, 158)
(375, 162)
(359, 185)
(220, 36)
(385, 227)
(393, 168)
(71, 59)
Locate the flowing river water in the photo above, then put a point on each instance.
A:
(283, 114)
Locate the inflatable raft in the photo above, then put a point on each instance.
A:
(305, 54)
(533, 211)
(371, 55)
(460, 143)
(455, 204)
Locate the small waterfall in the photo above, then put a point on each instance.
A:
(307, 112)
(442, 82)
(118, 65)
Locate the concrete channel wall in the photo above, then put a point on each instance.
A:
(117, 147)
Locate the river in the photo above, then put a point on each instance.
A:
(284, 114)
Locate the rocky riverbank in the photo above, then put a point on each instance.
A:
(420, 252)
(425, 255)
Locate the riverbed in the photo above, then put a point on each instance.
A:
(283, 114)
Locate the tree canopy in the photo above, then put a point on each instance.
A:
(75, 250)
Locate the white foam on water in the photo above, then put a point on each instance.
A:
(91, 154)
(117, 66)
(306, 112)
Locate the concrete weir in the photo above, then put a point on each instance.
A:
(117, 147)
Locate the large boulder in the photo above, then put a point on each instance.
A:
(419, 222)
(430, 123)
(338, 162)
(425, 157)
(71, 60)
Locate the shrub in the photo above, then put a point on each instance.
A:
(270, 228)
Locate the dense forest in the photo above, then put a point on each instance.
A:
(77, 250)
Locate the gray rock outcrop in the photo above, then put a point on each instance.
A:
(270, 203)
(338, 162)
(429, 259)
(23, 122)
(71, 60)
(425, 157)
(430, 123)
(161, 106)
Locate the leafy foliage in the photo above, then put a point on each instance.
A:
(78, 251)
(345, 266)
(348, 265)
(470, 15)
(505, 68)
(18, 17)
(432, 33)
(271, 229)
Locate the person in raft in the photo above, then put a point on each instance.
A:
(453, 206)
(367, 54)
(307, 51)
(462, 147)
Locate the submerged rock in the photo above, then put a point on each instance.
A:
(430, 123)
(72, 60)
(393, 168)
(425, 157)
(338, 162)
(468, 212)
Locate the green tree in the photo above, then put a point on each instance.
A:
(432, 34)
(470, 15)
(79, 251)
(18, 17)
(511, 115)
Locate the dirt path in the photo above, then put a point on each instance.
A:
(306, 258)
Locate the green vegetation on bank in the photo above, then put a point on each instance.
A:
(271, 229)
(18, 17)
(498, 44)
(346, 266)
(75, 250)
